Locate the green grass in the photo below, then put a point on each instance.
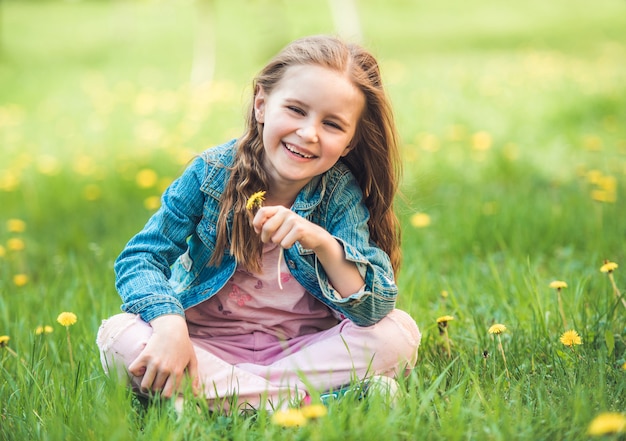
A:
(93, 92)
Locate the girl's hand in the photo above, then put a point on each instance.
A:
(166, 357)
(279, 225)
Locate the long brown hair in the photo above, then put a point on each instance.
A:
(374, 158)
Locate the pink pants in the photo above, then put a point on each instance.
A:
(261, 370)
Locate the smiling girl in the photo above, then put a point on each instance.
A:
(198, 283)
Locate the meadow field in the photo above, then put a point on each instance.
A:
(512, 117)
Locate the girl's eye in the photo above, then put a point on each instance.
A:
(332, 124)
(295, 109)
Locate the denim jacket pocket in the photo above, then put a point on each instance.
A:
(183, 273)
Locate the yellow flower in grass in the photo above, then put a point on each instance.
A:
(4, 339)
(608, 267)
(420, 220)
(558, 284)
(607, 423)
(445, 319)
(442, 324)
(497, 329)
(47, 329)
(152, 203)
(20, 279)
(16, 226)
(289, 418)
(314, 411)
(16, 244)
(146, 178)
(571, 338)
(66, 319)
(255, 200)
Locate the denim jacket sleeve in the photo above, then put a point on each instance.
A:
(143, 268)
(344, 215)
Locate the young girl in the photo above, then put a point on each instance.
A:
(202, 294)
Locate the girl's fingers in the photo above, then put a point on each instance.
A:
(148, 380)
(137, 367)
(192, 369)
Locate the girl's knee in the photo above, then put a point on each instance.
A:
(396, 336)
(120, 339)
(111, 328)
(406, 326)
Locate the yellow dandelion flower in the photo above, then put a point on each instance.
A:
(624, 367)
(314, 411)
(146, 178)
(444, 294)
(481, 141)
(594, 176)
(16, 244)
(444, 319)
(16, 226)
(3, 251)
(289, 418)
(558, 284)
(92, 192)
(497, 329)
(608, 183)
(571, 338)
(420, 220)
(152, 203)
(599, 195)
(47, 329)
(20, 279)
(4, 339)
(66, 319)
(255, 200)
(607, 423)
(608, 267)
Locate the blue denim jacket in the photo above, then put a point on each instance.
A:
(164, 268)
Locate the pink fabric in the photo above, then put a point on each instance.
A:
(267, 346)
(255, 303)
(262, 370)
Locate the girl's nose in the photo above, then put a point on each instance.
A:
(308, 133)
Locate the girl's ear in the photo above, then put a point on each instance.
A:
(348, 149)
(259, 106)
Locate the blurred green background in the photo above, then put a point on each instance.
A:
(512, 119)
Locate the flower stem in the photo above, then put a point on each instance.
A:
(616, 290)
(69, 345)
(14, 354)
(447, 340)
(558, 296)
(280, 260)
(506, 369)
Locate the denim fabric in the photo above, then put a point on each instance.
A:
(164, 268)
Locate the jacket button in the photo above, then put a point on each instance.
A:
(291, 264)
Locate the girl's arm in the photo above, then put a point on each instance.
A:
(143, 272)
(143, 268)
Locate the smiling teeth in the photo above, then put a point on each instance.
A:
(291, 149)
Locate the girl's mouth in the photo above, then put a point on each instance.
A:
(293, 150)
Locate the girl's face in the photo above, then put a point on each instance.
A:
(309, 119)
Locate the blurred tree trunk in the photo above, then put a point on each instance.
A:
(346, 19)
(1, 29)
(203, 64)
